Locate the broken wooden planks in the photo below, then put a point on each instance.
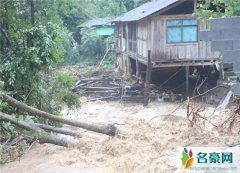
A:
(109, 89)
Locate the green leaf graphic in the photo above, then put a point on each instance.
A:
(184, 158)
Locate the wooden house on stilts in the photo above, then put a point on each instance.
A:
(169, 31)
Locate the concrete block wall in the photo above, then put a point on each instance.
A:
(225, 38)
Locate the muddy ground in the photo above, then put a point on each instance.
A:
(142, 144)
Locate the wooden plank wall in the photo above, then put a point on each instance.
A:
(142, 38)
(124, 40)
(152, 35)
(117, 35)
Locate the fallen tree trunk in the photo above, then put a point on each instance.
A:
(104, 129)
(43, 136)
(58, 130)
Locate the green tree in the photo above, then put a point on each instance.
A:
(34, 38)
(27, 47)
(218, 8)
(129, 4)
(92, 46)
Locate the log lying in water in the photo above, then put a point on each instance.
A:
(42, 135)
(58, 130)
(104, 129)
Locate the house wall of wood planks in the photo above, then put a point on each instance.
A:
(151, 35)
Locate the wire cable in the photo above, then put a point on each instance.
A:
(166, 81)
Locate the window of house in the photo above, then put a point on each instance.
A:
(182, 31)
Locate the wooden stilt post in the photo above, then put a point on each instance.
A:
(137, 69)
(148, 80)
(187, 80)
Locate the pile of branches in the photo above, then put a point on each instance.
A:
(42, 132)
(196, 113)
(233, 120)
(107, 88)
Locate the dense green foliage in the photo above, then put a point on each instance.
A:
(92, 46)
(31, 42)
(91, 49)
(109, 8)
(218, 8)
(61, 89)
(35, 37)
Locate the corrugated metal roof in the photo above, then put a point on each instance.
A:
(145, 10)
(96, 22)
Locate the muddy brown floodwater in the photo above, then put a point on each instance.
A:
(141, 145)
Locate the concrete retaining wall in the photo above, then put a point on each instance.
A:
(225, 38)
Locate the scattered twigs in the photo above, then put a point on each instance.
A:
(232, 120)
(194, 113)
(190, 108)
(172, 112)
(206, 92)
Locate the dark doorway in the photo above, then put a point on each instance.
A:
(133, 66)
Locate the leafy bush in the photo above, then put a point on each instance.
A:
(91, 49)
(52, 93)
(110, 61)
(11, 153)
(231, 8)
(92, 46)
(62, 90)
(72, 56)
(2, 105)
(30, 57)
(8, 129)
